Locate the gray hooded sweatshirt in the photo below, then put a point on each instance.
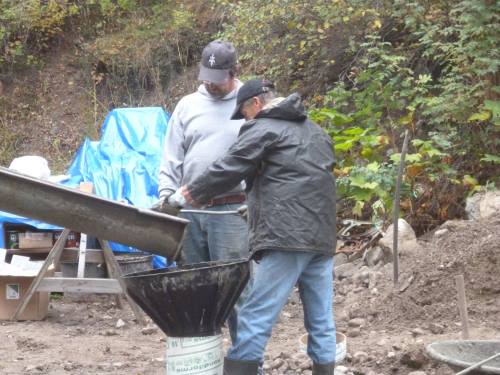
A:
(199, 132)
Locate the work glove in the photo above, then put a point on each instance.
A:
(177, 199)
(164, 207)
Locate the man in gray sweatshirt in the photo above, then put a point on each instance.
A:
(199, 132)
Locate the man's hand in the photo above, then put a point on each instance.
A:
(243, 211)
(187, 196)
(177, 199)
(164, 207)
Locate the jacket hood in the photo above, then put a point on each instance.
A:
(289, 108)
(230, 96)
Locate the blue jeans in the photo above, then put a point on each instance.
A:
(276, 275)
(217, 237)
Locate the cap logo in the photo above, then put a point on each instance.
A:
(211, 60)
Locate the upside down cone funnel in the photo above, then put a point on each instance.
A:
(192, 300)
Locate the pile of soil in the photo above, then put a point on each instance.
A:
(468, 248)
(387, 327)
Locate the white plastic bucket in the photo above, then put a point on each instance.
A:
(340, 347)
(194, 355)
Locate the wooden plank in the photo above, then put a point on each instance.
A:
(82, 285)
(70, 255)
(115, 272)
(81, 256)
(26, 252)
(53, 257)
(86, 187)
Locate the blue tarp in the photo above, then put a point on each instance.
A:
(123, 165)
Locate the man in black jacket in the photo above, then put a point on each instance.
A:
(287, 162)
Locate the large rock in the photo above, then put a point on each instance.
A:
(407, 240)
(345, 270)
(483, 205)
(490, 204)
(373, 256)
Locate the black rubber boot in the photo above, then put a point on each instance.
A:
(234, 367)
(324, 369)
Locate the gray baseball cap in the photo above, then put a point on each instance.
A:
(217, 59)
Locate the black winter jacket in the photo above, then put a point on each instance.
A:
(287, 162)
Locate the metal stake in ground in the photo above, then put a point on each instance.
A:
(396, 210)
(462, 306)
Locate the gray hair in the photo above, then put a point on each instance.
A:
(265, 97)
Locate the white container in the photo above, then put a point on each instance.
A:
(194, 355)
(340, 349)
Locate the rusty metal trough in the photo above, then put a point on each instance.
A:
(108, 220)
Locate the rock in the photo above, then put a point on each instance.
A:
(360, 357)
(407, 240)
(340, 370)
(357, 322)
(417, 332)
(340, 258)
(375, 276)
(149, 330)
(415, 359)
(305, 365)
(32, 368)
(109, 332)
(345, 270)
(353, 332)
(374, 256)
(278, 362)
(417, 373)
(472, 206)
(120, 323)
(490, 204)
(441, 232)
(483, 205)
(436, 328)
(391, 355)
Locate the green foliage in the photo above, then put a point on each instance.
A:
(369, 70)
(440, 81)
(301, 44)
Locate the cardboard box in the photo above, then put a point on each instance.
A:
(12, 289)
(31, 240)
(15, 280)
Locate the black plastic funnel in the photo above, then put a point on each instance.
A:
(192, 300)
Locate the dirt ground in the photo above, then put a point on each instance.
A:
(387, 328)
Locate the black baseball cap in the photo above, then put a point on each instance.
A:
(217, 59)
(251, 88)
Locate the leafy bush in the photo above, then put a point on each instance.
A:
(437, 81)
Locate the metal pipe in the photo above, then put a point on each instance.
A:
(476, 365)
(105, 219)
(396, 212)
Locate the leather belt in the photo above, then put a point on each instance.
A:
(230, 199)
